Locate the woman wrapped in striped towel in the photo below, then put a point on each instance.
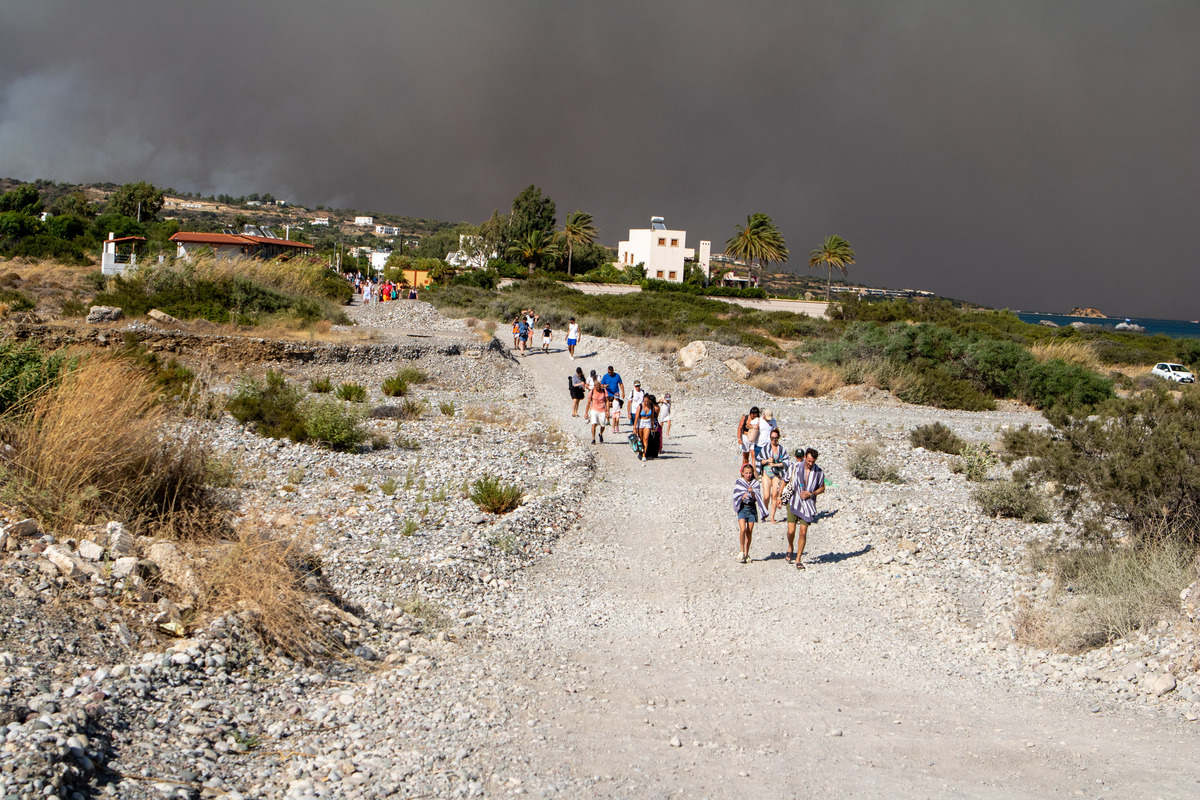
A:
(749, 505)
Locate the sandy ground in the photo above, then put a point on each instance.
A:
(660, 667)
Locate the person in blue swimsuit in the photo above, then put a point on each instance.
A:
(647, 418)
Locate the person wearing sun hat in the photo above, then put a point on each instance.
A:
(664, 415)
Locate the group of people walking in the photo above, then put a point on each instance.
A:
(769, 480)
(648, 418)
(526, 324)
(380, 292)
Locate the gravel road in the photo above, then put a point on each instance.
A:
(658, 666)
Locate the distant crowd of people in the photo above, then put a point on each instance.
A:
(381, 292)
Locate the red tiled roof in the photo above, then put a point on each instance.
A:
(234, 239)
(209, 238)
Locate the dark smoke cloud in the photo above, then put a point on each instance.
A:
(1023, 154)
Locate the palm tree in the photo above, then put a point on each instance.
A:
(534, 249)
(759, 242)
(578, 229)
(833, 252)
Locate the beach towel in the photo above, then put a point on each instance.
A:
(808, 480)
(741, 487)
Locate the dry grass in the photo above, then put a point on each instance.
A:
(44, 274)
(1102, 594)
(797, 380)
(1073, 352)
(658, 346)
(296, 276)
(268, 580)
(93, 447)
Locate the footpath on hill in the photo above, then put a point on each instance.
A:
(648, 663)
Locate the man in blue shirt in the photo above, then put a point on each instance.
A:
(523, 335)
(612, 385)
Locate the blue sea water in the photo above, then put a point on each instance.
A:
(1170, 327)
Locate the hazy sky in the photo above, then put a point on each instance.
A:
(1036, 155)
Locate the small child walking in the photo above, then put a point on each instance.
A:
(546, 336)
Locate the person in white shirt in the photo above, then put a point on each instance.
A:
(572, 336)
(635, 401)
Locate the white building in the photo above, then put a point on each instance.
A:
(459, 257)
(320, 221)
(366, 222)
(387, 230)
(660, 249)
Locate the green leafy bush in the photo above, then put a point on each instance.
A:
(330, 422)
(1009, 498)
(352, 392)
(271, 406)
(937, 438)
(25, 370)
(17, 300)
(395, 386)
(412, 375)
(1070, 387)
(320, 385)
(1132, 461)
(495, 497)
(932, 387)
(978, 460)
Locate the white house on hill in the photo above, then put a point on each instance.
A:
(662, 251)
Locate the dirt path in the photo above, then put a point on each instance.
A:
(657, 666)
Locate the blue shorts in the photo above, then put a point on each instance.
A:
(748, 512)
(571, 342)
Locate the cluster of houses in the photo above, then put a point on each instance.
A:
(661, 250)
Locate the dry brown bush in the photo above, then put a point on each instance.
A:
(273, 583)
(94, 447)
(1074, 352)
(657, 345)
(754, 362)
(798, 380)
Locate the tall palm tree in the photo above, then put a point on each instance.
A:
(577, 230)
(833, 252)
(759, 242)
(535, 248)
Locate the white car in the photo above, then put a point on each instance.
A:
(1173, 372)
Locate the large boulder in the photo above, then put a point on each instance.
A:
(174, 566)
(692, 354)
(161, 317)
(105, 314)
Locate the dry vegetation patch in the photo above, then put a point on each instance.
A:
(800, 379)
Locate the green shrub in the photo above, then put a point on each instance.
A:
(332, 423)
(1009, 498)
(495, 497)
(395, 387)
(388, 487)
(271, 406)
(25, 370)
(1070, 387)
(352, 392)
(411, 409)
(932, 387)
(17, 300)
(937, 438)
(1131, 461)
(320, 385)
(412, 375)
(978, 461)
(447, 408)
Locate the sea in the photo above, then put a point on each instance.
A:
(1171, 327)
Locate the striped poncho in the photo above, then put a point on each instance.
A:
(809, 481)
(755, 488)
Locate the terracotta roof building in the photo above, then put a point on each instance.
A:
(225, 245)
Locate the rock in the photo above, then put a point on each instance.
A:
(161, 316)
(124, 567)
(26, 527)
(105, 314)
(675, 742)
(1163, 684)
(120, 541)
(738, 368)
(692, 354)
(173, 564)
(1190, 601)
(909, 546)
(66, 563)
(90, 550)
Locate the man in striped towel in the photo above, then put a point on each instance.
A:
(750, 507)
(802, 506)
